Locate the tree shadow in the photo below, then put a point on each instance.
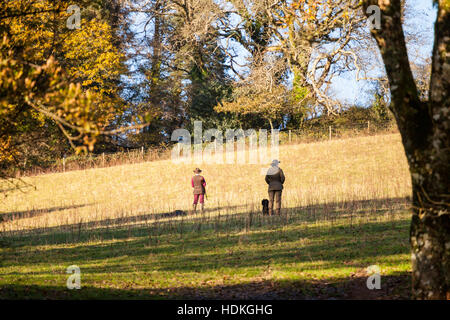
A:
(15, 215)
(205, 244)
(393, 287)
(169, 222)
(337, 246)
(109, 223)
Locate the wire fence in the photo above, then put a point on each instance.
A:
(336, 131)
(83, 162)
(304, 135)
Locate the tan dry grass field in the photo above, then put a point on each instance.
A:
(362, 168)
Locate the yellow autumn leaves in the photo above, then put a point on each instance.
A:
(68, 76)
(97, 59)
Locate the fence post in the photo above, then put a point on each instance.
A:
(142, 151)
(368, 126)
(329, 132)
(289, 136)
(103, 158)
(64, 163)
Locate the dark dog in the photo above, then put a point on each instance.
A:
(265, 205)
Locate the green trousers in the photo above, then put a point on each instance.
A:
(275, 196)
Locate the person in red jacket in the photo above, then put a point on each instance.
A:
(198, 182)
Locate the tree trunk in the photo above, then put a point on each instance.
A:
(424, 127)
(154, 75)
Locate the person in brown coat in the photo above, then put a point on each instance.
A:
(198, 182)
(275, 179)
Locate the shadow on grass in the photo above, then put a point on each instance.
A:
(206, 244)
(393, 287)
(156, 225)
(10, 216)
(331, 247)
(105, 223)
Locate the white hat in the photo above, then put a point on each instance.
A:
(275, 162)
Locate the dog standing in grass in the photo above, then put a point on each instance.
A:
(265, 206)
(198, 182)
(275, 179)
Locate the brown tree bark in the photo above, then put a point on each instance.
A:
(425, 131)
(154, 75)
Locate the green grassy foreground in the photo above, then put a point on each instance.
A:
(313, 252)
